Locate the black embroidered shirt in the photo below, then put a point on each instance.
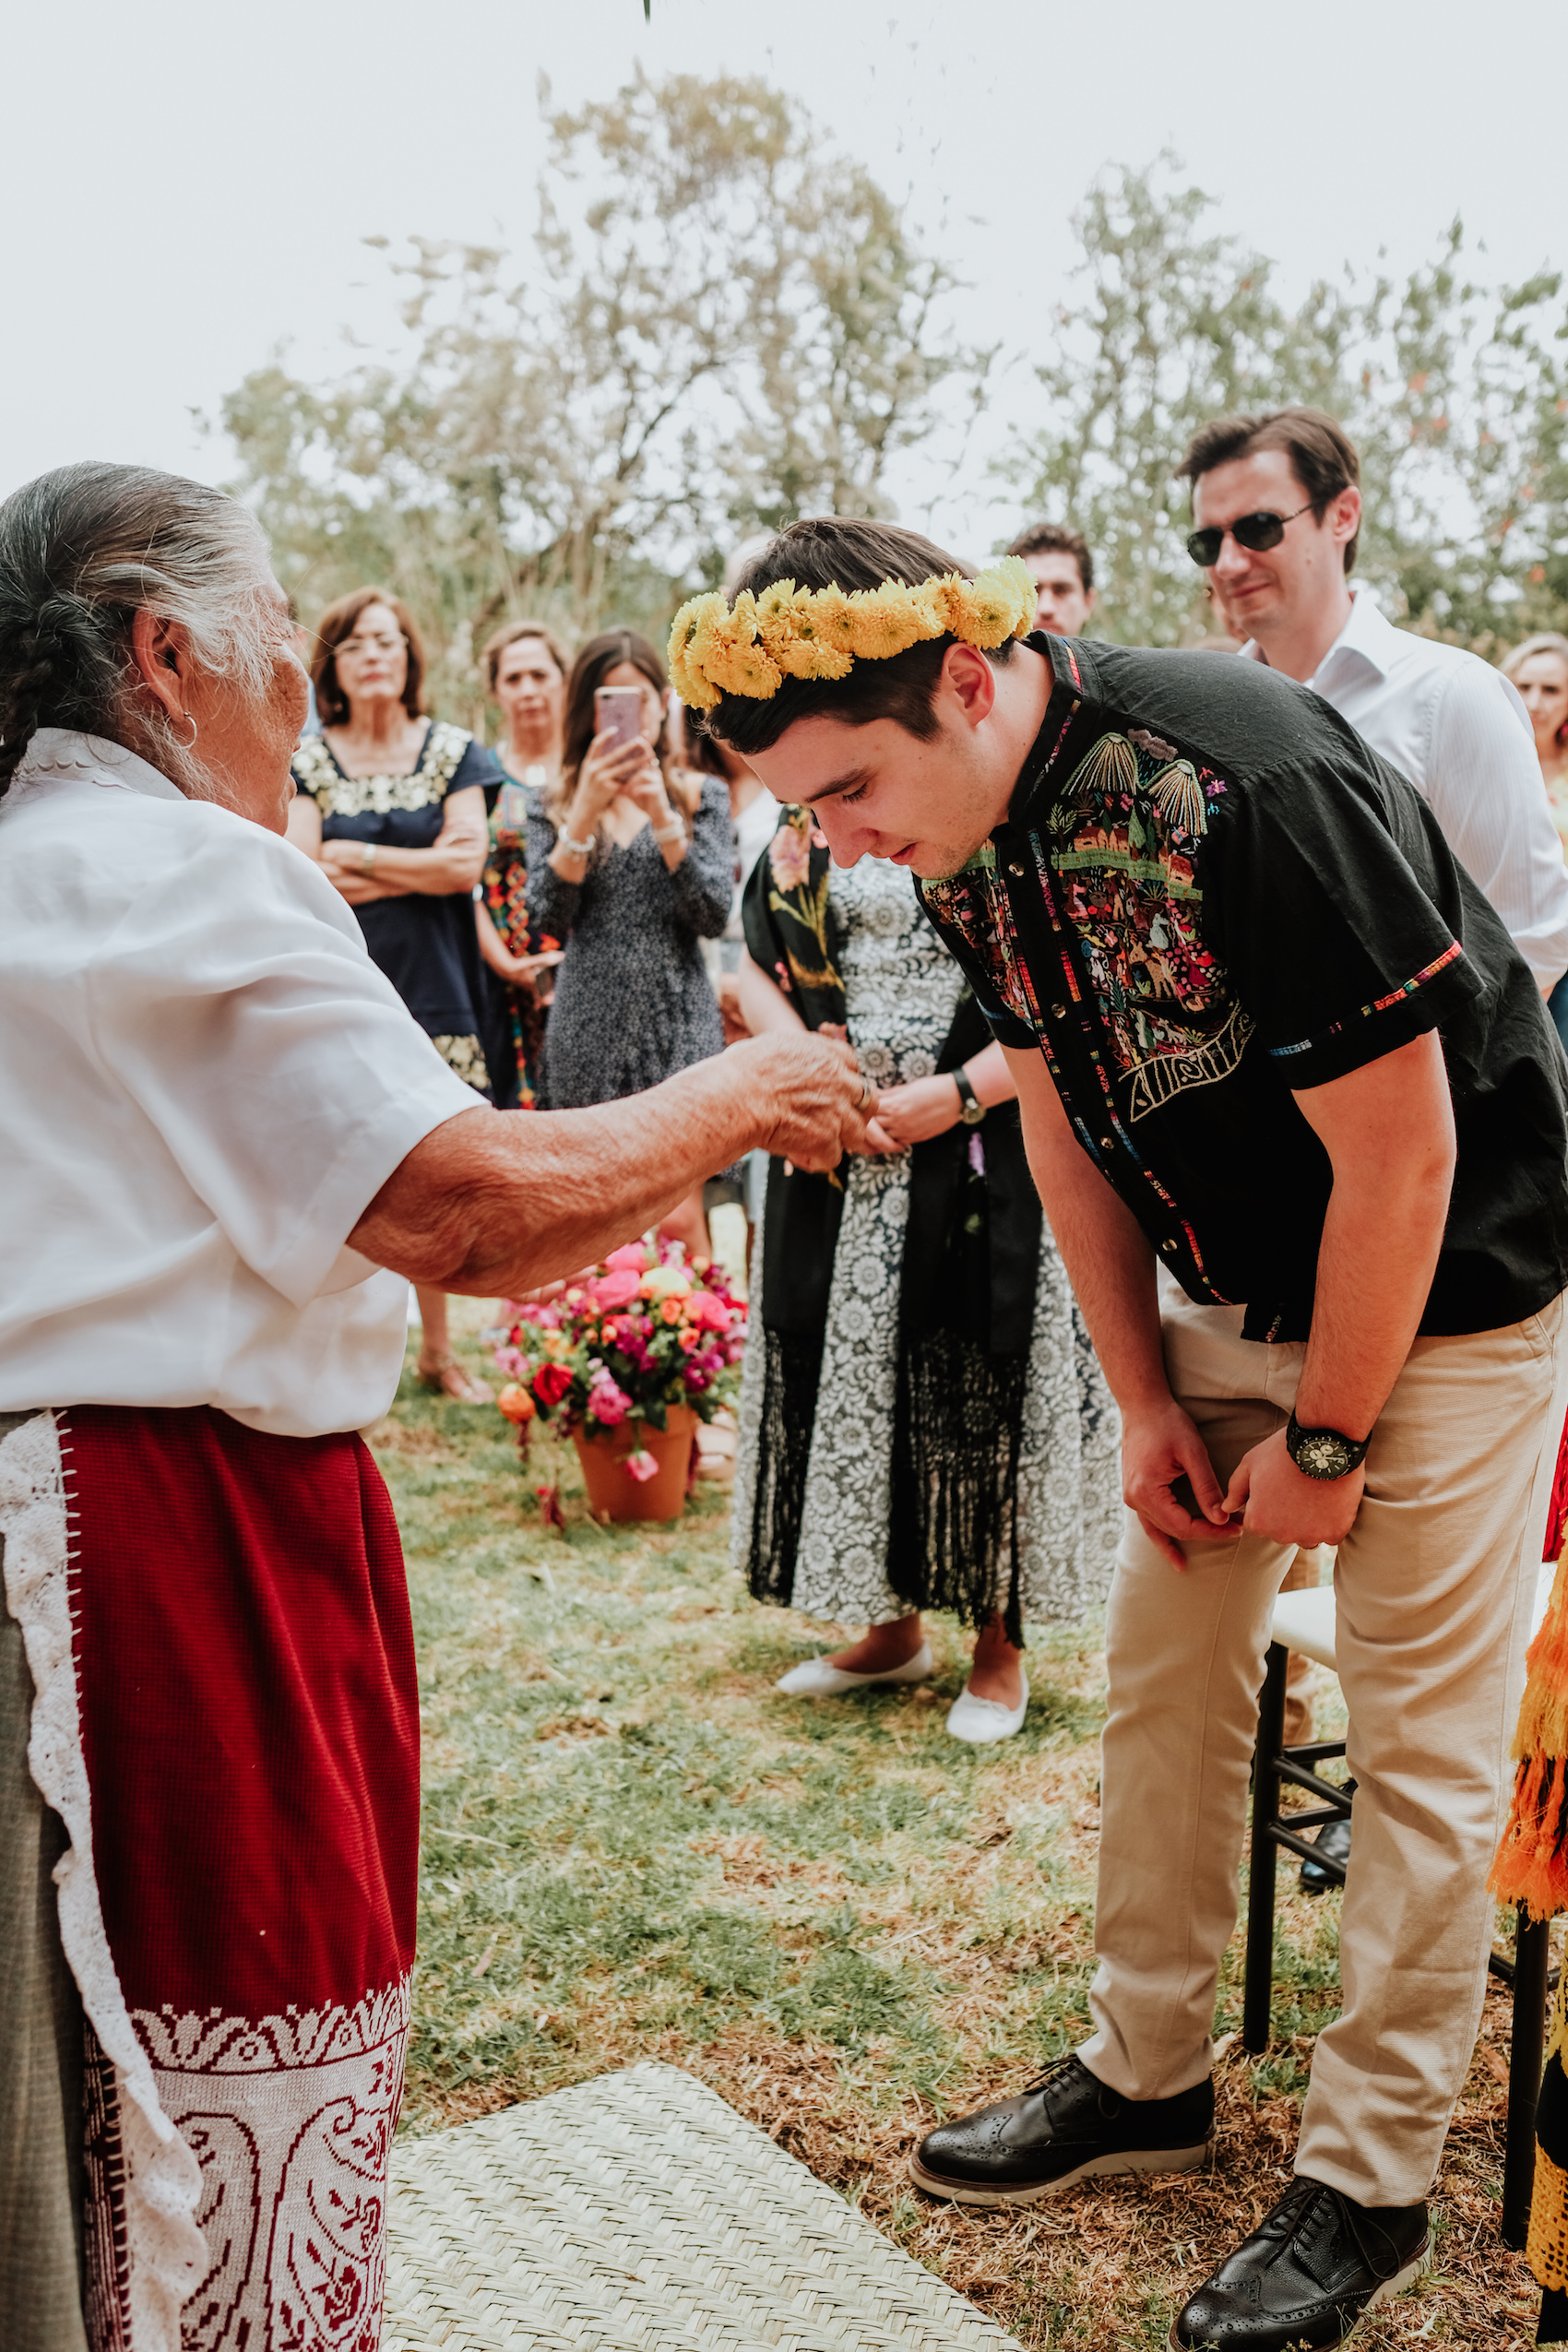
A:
(1210, 893)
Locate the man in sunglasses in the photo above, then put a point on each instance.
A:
(1277, 510)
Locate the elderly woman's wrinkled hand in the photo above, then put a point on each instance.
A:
(820, 1101)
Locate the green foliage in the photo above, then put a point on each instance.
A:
(721, 324)
(1455, 396)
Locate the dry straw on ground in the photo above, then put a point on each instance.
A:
(846, 1923)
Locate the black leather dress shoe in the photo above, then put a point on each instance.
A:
(1302, 2282)
(1057, 2132)
(1333, 1840)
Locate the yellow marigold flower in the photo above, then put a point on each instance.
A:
(725, 654)
(962, 607)
(685, 674)
(835, 616)
(930, 603)
(791, 628)
(817, 659)
(886, 620)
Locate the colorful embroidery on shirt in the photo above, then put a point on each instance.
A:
(975, 903)
(1125, 831)
(337, 795)
(1365, 1011)
(1120, 841)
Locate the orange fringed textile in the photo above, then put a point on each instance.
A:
(1532, 1858)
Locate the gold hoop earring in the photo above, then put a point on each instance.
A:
(191, 723)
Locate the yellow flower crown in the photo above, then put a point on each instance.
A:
(752, 647)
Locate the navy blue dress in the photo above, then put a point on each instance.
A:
(427, 947)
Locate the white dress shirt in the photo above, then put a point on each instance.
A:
(204, 1082)
(1458, 730)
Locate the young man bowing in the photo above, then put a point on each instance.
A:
(1267, 1033)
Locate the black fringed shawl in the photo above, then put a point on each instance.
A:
(966, 1304)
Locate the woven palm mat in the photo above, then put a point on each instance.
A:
(638, 2212)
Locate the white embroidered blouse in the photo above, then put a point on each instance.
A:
(204, 1082)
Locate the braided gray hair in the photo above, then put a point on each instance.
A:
(82, 550)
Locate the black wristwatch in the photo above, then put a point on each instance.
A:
(971, 1110)
(1323, 1453)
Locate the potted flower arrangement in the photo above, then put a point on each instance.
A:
(627, 1358)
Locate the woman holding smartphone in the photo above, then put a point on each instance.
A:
(631, 864)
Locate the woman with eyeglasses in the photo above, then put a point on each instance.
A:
(391, 805)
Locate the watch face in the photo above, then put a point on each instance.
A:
(972, 1113)
(1322, 1455)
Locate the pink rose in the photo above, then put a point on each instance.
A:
(608, 1402)
(640, 1465)
(630, 1258)
(617, 1289)
(708, 1314)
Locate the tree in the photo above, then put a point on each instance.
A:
(1455, 398)
(721, 323)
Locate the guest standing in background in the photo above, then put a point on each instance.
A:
(390, 805)
(526, 671)
(1539, 668)
(632, 867)
(1063, 571)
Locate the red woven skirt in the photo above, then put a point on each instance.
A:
(226, 1719)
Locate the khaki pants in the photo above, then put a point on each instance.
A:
(1433, 1586)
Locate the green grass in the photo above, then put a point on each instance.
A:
(847, 1922)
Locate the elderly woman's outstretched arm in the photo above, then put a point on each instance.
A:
(495, 1202)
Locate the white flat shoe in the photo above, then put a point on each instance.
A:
(982, 1720)
(817, 1677)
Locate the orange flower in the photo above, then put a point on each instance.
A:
(672, 1309)
(517, 1404)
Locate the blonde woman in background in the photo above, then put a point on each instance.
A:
(525, 670)
(1539, 670)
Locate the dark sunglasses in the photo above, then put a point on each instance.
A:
(1255, 532)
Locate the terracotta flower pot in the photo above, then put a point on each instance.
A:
(612, 1491)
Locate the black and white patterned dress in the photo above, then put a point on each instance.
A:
(902, 992)
(634, 1003)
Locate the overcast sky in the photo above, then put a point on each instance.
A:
(186, 189)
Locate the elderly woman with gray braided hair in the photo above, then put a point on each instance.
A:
(228, 1147)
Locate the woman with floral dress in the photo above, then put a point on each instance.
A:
(923, 1423)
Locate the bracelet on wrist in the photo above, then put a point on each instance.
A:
(367, 857)
(674, 831)
(573, 849)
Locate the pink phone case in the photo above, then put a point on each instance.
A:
(618, 711)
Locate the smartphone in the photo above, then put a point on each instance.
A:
(618, 711)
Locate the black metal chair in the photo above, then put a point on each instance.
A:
(1304, 1621)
